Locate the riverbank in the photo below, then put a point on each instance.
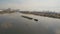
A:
(45, 14)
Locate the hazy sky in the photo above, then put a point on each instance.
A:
(31, 4)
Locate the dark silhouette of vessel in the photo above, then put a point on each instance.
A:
(27, 17)
(35, 19)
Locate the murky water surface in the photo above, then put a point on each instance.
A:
(15, 24)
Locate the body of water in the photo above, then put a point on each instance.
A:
(15, 24)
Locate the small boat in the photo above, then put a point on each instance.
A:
(35, 19)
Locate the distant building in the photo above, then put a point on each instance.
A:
(17, 10)
(9, 9)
